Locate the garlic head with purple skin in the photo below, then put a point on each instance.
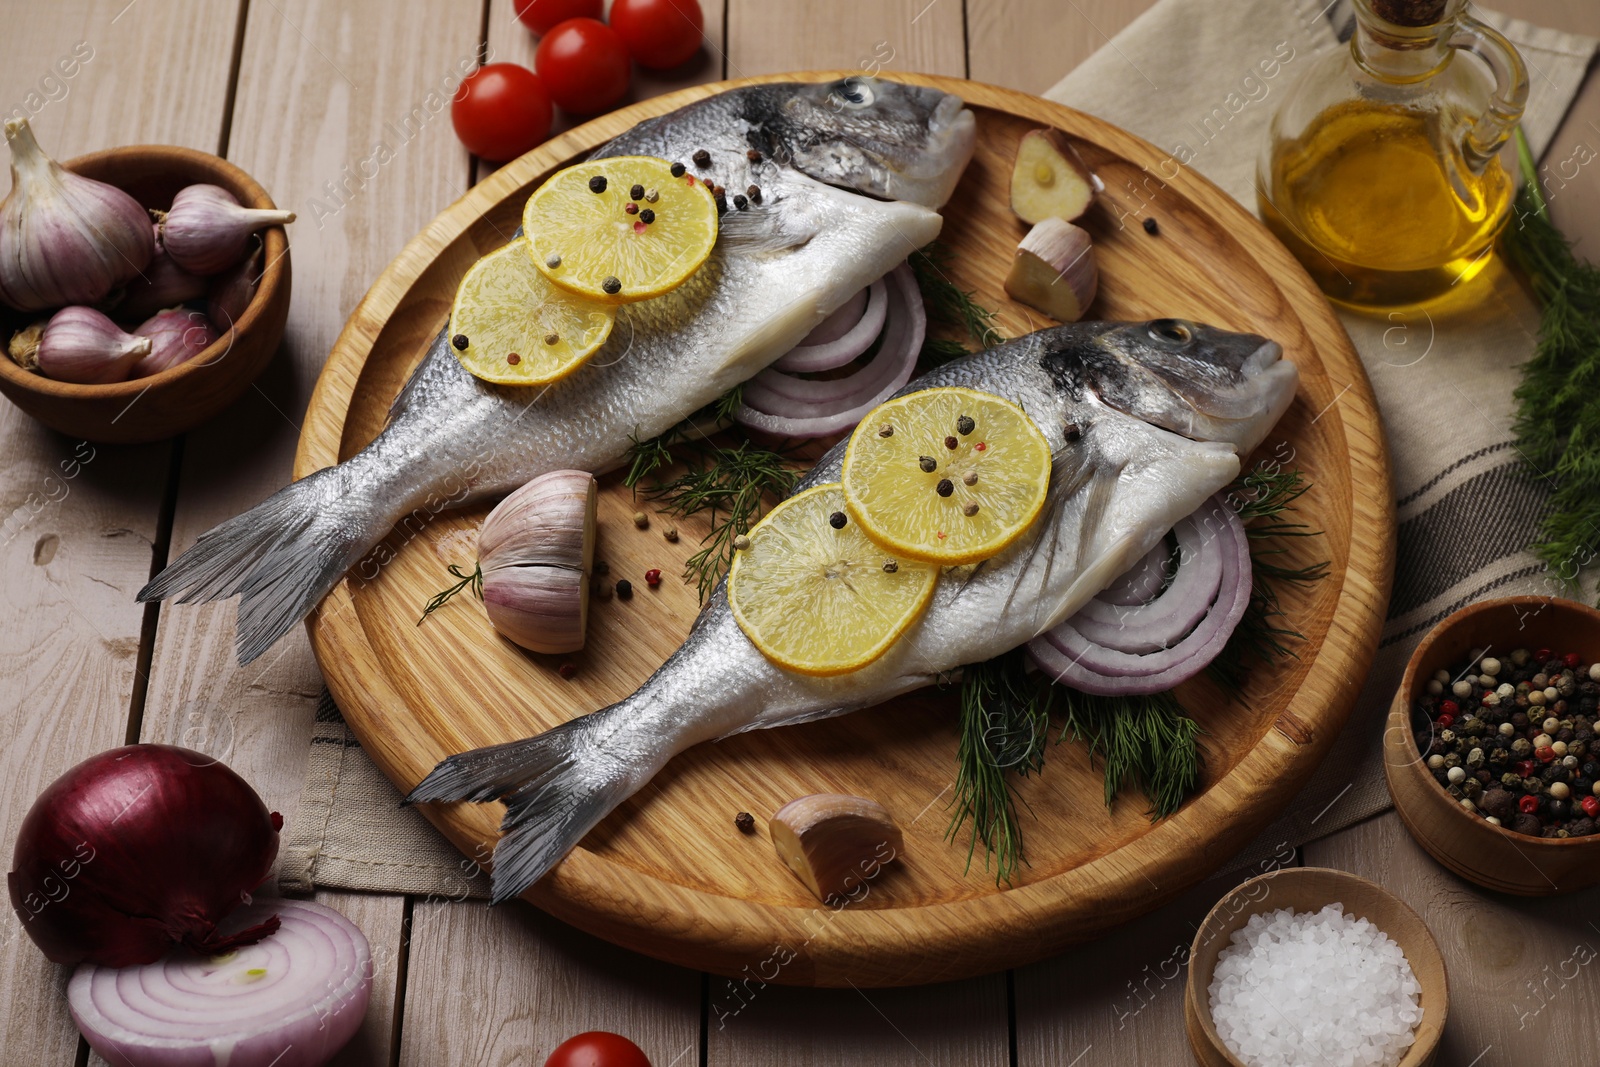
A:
(162, 284)
(64, 239)
(206, 231)
(536, 549)
(176, 336)
(81, 345)
(231, 291)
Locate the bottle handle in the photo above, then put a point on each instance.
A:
(1484, 140)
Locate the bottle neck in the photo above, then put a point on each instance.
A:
(1400, 52)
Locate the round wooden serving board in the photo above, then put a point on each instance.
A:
(668, 874)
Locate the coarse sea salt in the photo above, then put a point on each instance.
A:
(1314, 989)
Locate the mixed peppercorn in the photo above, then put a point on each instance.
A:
(1513, 740)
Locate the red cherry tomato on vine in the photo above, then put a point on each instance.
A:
(542, 16)
(584, 65)
(597, 1049)
(501, 111)
(658, 33)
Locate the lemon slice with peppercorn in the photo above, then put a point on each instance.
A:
(511, 326)
(620, 229)
(947, 475)
(815, 595)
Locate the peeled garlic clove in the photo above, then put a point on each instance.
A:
(835, 843)
(1054, 271)
(81, 345)
(232, 290)
(162, 284)
(176, 335)
(64, 238)
(536, 550)
(206, 231)
(1050, 179)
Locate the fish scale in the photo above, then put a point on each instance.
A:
(831, 155)
(1161, 414)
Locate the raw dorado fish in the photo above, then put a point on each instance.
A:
(828, 154)
(1165, 410)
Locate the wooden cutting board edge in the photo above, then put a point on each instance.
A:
(881, 947)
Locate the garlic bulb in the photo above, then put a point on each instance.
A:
(232, 290)
(162, 284)
(64, 238)
(206, 231)
(176, 335)
(81, 345)
(536, 549)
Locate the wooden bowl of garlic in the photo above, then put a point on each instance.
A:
(145, 361)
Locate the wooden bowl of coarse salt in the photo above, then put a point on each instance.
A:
(1331, 991)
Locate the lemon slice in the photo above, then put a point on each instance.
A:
(946, 475)
(815, 595)
(518, 329)
(592, 236)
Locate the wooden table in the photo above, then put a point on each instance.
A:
(298, 92)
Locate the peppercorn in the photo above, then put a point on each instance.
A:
(1499, 803)
(597, 184)
(552, 261)
(566, 670)
(624, 589)
(722, 205)
(753, 156)
(740, 201)
(460, 341)
(837, 520)
(1581, 828)
(745, 822)
(1527, 824)
(702, 158)
(965, 425)
(891, 567)
(1528, 805)
(677, 169)
(1151, 227)
(647, 216)
(740, 542)
(652, 577)
(1591, 807)
(970, 508)
(631, 208)
(1560, 810)
(886, 430)
(951, 443)
(1072, 433)
(945, 487)
(612, 285)
(602, 567)
(670, 533)
(970, 478)
(1522, 748)
(754, 193)
(927, 463)
(636, 192)
(641, 520)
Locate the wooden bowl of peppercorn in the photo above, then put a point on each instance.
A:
(1470, 737)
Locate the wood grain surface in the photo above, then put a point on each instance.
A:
(71, 647)
(667, 874)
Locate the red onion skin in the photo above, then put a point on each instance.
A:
(136, 849)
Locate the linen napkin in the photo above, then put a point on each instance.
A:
(1195, 74)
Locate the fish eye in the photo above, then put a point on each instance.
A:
(853, 93)
(1170, 331)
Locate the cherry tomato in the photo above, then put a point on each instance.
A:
(501, 111)
(659, 33)
(597, 1049)
(542, 16)
(584, 65)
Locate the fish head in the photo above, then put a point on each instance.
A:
(879, 137)
(1196, 380)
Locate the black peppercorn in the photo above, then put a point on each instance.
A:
(1071, 432)
(745, 822)
(837, 520)
(624, 589)
(636, 192)
(597, 184)
(722, 206)
(740, 202)
(945, 487)
(1527, 824)
(965, 425)
(612, 285)
(951, 443)
(702, 158)
(678, 169)
(647, 216)
(1151, 227)
(460, 341)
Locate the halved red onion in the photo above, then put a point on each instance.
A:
(830, 353)
(1164, 621)
(796, 407)
(291, 1000)
(1141, 582)
(1070, 658)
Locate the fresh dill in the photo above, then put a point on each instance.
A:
(1145, 741)
(1005, 719)
(474, 581)
(1557, 421)
(948, 303)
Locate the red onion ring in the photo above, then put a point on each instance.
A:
(821, 408)
(1071, 659)
(291, 1000)
(1140, 583)
(825, 353)
(1164, 621)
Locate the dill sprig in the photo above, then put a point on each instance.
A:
(1005, 719)
(474, 581)
(1147, 741)
(1557, 423)
(948, 303)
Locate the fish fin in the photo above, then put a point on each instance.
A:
(283, 555)
(556, 787)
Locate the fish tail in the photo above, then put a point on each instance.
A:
(557, 787)
(282, 556)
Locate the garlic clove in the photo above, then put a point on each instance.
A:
(81, 345)
(64, 239)
(835, 843)
(231, 291)
(1049, 178)
(1054, 270)
(206, 231)
(162, 284)
(536, 550)
(176, 336)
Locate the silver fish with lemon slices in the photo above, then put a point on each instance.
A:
(1143, 421)
(851, 175)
